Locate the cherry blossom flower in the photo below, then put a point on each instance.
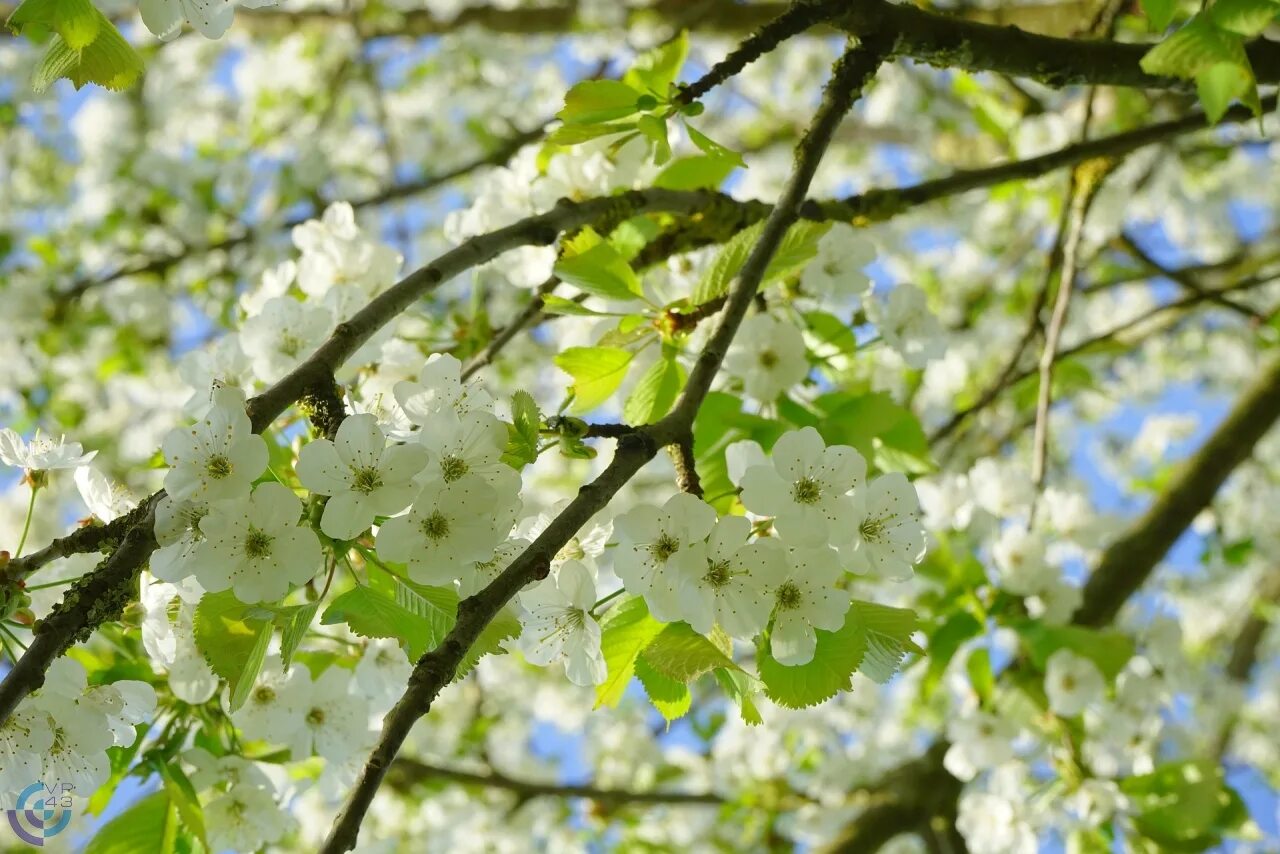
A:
(560, 624)
(255, 546)
(655, 551)
(768, 355)
(331, 721)
(1072, 682)
(217, 457)
(363, 477)
(906, 324)
(105, 500)
(727, 586)
(449, 527)
(285, 333)
(837, 270)
(805, 598)
(887, 538)
(804, 487)
(41, 453)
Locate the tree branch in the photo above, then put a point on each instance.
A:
(1086, 180)
(945, 41)
(436, 669)
(406, 771)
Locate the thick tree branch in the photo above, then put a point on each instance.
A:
(436, 669)
(1128, 561)
(949, 42)
(406, 771)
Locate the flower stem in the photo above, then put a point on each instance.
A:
(26, 526)
(614, 595)
(57, 583)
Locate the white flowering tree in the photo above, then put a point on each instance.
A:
(494, 426)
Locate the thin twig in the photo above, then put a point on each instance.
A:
(1084, 185)
(406, 771)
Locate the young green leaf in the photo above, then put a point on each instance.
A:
(835, 658)
(740, 687)
(149, 825)
(1159, 13)
(669, 696)
(714, 149)
(680, 653)
(699, 172)
(77, 21)
(233, 637)
(626, 630)
(657, 68)
(595, 101)
(655, 128)
(657, 390)
(888, 638)
(798, 247)
(1246, 18)
(600, 270)
(109, 61)
(597, 372)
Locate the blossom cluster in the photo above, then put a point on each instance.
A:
(826, 520)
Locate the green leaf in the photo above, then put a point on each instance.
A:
(712, 148)
(739, 687)
(879, 428)
(835, 658)
(983, 680)
(943, 645)
(888, 637)
(1219, 85)
(655, 128)
(626, 630)
(594, 101)
(1184, 806)
(183, 797)
(568, 135)
(417, 615)
(597, 372)
(600, 270)
(680, 653)
(1244, 17)
(699, 172)
(1159, 13)
(371, 614)
(552, 304)
(294, 624)
(233, 638)
(149, 825)
(524, 434)
(657, 68)
(1109, 649)
(834, 335)
(77, 21)
(670, 697)
(797, 248)
(109, 61)
(1197, 46)
(655, 393)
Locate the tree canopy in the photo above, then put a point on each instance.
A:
(494, 425)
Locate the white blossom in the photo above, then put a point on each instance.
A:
(768, 355)
(362, 476)
(256, 546)
(655, 549)
(217, 457)
(560, 624)
(804, 487)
